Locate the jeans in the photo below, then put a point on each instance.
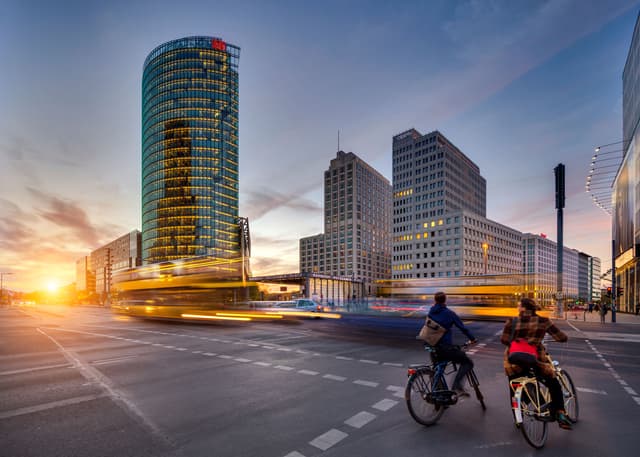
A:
(453, 354)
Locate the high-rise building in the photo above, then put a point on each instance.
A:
(626, 186)
(356, 242)
(190, 150)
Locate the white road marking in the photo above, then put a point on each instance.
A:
(262, 364)
(181, 349)
(342, 357)
(223, 356)
(283, 367)
(385, 405)
(360, 420)
(240, 359)
(50, 405)
(591, 391)
(334, 377)
(393, 364)
(308, 372)
(196, 352)
(366, 383)
(294, 454)
(112, 360)
(622, 382)
(492, 445)
(637, 399)
(28, 370)
(631, 391)
(326, 440)
(373, 362)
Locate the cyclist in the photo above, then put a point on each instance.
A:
(445, 349)
(532, 328)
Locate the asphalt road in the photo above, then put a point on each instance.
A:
(85, 382)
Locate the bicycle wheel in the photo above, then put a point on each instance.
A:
(570, 396)
(418, 395)
(473, 381)
(533, 428)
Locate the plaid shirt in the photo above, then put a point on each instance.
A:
(532, 328)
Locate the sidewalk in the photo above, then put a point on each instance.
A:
(621, 318)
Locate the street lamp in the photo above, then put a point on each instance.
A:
(2, 275)
(485, 249)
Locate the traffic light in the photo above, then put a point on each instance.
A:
(608, 291)
(620, 292)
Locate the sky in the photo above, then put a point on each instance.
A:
(518, 85)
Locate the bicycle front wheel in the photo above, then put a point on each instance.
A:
(419, 397)
(533, 429)
(570, 396)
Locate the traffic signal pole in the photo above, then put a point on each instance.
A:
(614, 289)
(560, 197)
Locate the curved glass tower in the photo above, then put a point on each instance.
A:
(190, 150)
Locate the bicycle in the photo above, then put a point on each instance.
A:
(427, 393)
(531, 401)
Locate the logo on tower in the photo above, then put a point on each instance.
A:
(218, 45)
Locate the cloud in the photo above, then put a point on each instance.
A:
(14, 231)
(264, 200)
(262, 266)
(69, 215)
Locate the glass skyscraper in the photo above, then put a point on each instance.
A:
(190, 150)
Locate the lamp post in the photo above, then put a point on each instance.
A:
(485, 250)
(2, 275)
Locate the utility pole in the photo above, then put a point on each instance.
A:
(560, 196)
(614, 289)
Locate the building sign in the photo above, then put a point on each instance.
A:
(218, 45)
(624, 258)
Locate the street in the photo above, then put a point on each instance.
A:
(81, 381)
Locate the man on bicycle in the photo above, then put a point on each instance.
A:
(532, 328)
(445, 349)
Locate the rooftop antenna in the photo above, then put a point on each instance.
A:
(338, 139)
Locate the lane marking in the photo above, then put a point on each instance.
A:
(631, 391)
(262, 364)
(240, 359)
(294, 454)
(283, 367)
(28, 370)
(334, 377)
(360, 420)
(328, 439)
(308, 372)
(591, 391)
(50, 405)
(223, 356)
(373, 362)
(342, 357)
(366, 383)
(385, 405)
(112, 360)
(392, 364)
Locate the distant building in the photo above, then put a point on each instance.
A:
(94, 272)
(626, 186)
(190, 151)
(594, 273)
(357, 214)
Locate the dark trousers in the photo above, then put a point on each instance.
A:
(453, 354)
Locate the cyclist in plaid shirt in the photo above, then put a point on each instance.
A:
(533, 328)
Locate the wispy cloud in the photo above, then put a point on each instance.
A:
(264, 200)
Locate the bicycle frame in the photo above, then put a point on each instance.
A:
(539, 399)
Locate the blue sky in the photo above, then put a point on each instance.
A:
(519, 86)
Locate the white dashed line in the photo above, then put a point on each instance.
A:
(262, 364)
(366, 383)
(283, 367)
(393, 364)
(360, 420)
(631, 391)
(308, 372)
(210, 354)
(385, 405)
(334, 377)
(342, 357)
(326, 440)
(637, 399)
(373, 362)
(196, 352)
(223, 356)
(294, 454)
(591, 391)
(239, 359)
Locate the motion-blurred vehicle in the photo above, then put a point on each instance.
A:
(301, 304)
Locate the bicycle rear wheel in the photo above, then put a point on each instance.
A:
(419, 398)
(570, 396)
(534, 429)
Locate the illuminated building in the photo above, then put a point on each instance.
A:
(626, 186)
(356, 242)
(190, 151)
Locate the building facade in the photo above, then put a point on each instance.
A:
(356, 241)
(626, 186)
(460, 243)
(94, 272)
(190, 150)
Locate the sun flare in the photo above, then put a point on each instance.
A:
(52, 286)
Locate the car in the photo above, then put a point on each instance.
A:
(301, 304)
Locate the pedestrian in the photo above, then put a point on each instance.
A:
(603, 312)
(637, 308)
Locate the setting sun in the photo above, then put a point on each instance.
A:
(52, 286)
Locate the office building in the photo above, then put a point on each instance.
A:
(357, 222)
(460, 243)
(190, 151)
(626, 186)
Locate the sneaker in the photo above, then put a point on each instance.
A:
(563, 421)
